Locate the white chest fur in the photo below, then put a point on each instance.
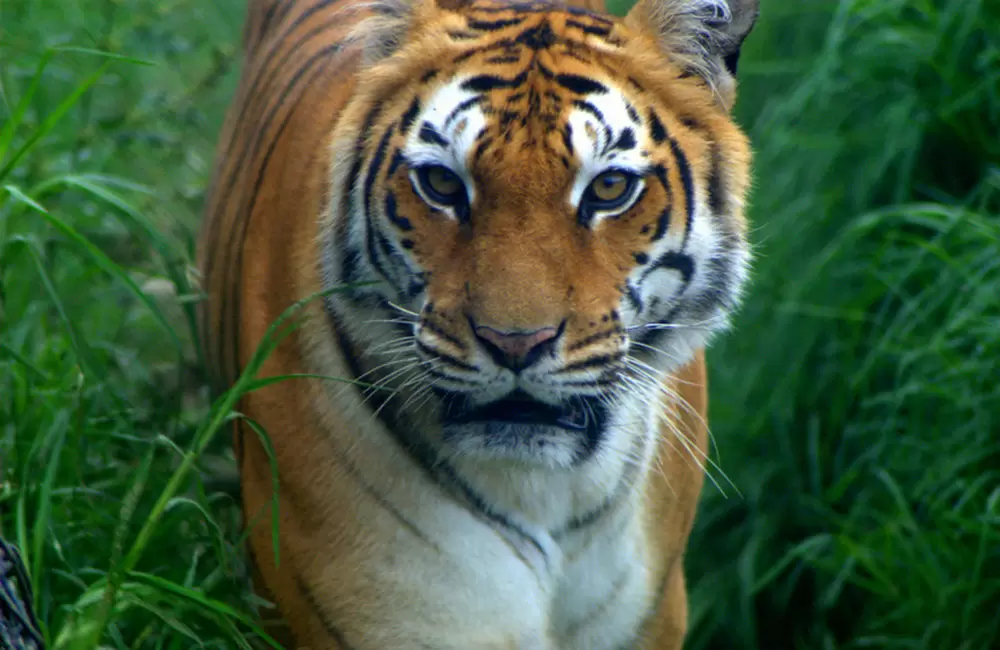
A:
(590, 593)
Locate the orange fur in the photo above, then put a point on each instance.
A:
(345, 495)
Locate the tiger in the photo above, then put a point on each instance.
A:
(507, 231)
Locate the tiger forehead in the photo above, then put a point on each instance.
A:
(501, 34)
(526, 65)
(502, 108)
(490, 16)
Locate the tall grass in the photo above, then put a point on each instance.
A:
(103, 421)
(855, 407)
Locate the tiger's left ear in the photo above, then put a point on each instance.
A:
(702, 36)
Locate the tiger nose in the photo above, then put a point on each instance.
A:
(516, 350)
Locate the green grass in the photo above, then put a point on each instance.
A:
(855, 406)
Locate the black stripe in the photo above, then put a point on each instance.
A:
(432, 327)
(633, 114)
(449, 359)
(481, 147)
(366, 127)
(390, 211)
(675, 260)
(716, 186)
(720, 291)
(486, 82)
(597, 30)
(251, 41)
(397, 160)
(462, 35)
(351, 260)
(663, 221)
(692, 123)
(587, 519)
(632, 295)
(385, 504)
(593, 362)
(416, 285)
(344, 343)
(595, 612)
(430, 135)
(409, 116)
(593, 338)
(505, 44)
(586, 106)
(443, 375)
(461, 108)
(374, 167)
(513, 7)
(581, 85)
(567, 136)
(484, 509)
(331, 628)
(656, 128)
(685, 171)
(599, 384)
(626, 141)
(504, 58)
(493, 25)
(539, 37)
(393, 256)
(547, 73)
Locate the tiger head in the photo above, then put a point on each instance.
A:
(541, 211)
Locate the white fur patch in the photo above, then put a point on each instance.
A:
(460, 132)
(592, 137)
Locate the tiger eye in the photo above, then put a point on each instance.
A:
(609, 186)
(443, 181)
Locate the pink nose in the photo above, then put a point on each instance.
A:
(516, 350)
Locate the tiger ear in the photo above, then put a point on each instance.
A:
(391, 21)
(703, 36)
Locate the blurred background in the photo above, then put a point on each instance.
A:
(854, 500)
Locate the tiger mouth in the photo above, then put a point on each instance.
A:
(581, 415)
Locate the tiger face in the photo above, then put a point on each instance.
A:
(547, 213)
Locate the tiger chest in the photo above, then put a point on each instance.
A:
(591, 592)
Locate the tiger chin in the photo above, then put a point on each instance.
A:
(523, 223)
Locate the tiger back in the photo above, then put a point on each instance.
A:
(519, 224)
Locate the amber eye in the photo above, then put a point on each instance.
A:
(609, 191)
(609, 186)
(441, 185)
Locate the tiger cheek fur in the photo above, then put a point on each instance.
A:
(527, 222)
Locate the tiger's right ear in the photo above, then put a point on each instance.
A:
(391, 21)
(702, 36)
